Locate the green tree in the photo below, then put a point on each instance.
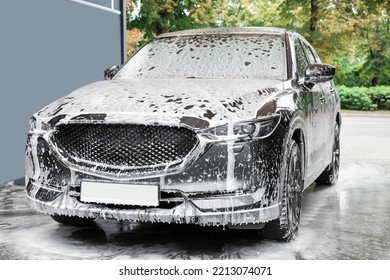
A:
(351, 34)
(375, 47)
(160, 16)
(239, 13)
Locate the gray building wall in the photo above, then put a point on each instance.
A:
(47, 49)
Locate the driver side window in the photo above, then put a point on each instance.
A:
(309, 53)
(301, 58)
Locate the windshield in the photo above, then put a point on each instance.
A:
(204, 56)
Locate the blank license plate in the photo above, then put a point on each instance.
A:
(125, 194)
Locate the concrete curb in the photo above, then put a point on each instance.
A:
(364, 115)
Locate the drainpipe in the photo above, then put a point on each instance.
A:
(122, 8)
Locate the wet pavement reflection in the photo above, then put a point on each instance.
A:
(350, 220)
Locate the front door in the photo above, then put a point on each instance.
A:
(314, 95)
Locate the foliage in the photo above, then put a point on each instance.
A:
(364, 98)
(380, 96)
(376, 67)
(355, 98)
(238, 13)
(353, 35)
(133, 37)
(160, 16)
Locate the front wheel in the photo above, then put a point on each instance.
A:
(285, 227)
(331, 173)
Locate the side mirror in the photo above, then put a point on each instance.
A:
(109, 73)
(319, 73)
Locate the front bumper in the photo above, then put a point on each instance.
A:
(187, 212)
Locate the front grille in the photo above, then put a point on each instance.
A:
(124, 145)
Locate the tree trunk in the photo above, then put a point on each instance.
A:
(313, 15)
(374, 81)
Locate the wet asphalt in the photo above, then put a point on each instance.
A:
(350, 220)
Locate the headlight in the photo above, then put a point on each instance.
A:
(37, 124)
(257, 128)
(248, 128)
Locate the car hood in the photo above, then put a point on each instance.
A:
(197, 103)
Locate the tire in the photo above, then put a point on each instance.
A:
(73, 220)
(285, 227)
(331, 173)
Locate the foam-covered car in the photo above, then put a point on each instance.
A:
(210, 127)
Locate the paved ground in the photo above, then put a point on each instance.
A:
(350, 220)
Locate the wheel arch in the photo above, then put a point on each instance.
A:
(338, 119)
(299, 137)
(296, 131)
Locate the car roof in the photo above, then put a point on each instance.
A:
(226, 31)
